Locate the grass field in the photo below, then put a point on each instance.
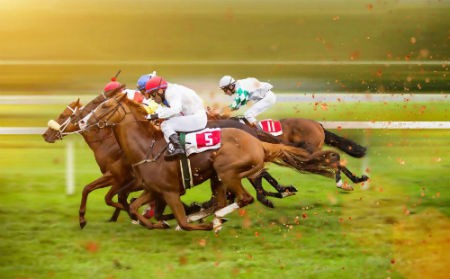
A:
(397, 228)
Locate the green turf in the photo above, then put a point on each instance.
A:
(397, 228)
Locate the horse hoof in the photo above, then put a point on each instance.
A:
(165, 225)
(291, 189)
(218, 224)
(269, 204)
(364, 178)
(83, 224)
(345, 187)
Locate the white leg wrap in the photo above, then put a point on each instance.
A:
(287, 194)
(217, 224)
(226, 210)
(199, 215)
(340, 183)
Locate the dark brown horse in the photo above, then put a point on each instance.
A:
(240, 155)
(310, 135)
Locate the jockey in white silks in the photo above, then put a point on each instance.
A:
(184, 112)
(249, 89)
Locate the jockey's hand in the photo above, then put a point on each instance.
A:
(152, 116)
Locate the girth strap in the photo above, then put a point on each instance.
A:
(185, 165)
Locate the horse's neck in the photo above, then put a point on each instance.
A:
(135, 138)
(104, 145)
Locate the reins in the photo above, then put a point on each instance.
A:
(147, 159)
(100, 123)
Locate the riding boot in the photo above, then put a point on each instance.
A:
(174, 149)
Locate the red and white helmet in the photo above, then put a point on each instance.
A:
(155, 83)
(112, 85)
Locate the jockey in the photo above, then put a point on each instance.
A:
(184, 112)
(132, 94)
(143, 80)
(249, 89)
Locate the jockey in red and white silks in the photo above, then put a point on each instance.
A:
(249, 89)
(184, 111)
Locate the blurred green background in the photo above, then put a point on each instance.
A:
(54, 47)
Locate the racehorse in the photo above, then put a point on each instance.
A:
(116, 171)
(312, 136)
(240, 155)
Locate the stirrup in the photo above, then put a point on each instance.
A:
(172, 152)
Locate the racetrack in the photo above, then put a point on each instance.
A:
(377, 53)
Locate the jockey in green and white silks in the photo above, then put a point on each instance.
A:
(249, 89)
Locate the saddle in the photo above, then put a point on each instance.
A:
(196, 142)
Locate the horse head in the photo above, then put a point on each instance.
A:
(62, 125)
(108, 113)
(89, 107)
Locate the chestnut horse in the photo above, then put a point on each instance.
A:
(115, 169)
(240, 155)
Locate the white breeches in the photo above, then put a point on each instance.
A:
(260, 106)
(184, 123)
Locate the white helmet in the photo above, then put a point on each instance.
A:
(225, 81)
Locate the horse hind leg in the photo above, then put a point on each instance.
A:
(260, 192)
(352, 177)
(283, 191)
(355, 179)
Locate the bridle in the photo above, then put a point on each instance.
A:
(99, 120)
(60, 128)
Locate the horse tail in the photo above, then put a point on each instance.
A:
(320, 162)
(348, 146)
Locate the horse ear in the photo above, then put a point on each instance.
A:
(121, 96)
(78, 102)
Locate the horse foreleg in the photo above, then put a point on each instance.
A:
(122, 196)
(100, 182)
(144, 198)
(173, 200)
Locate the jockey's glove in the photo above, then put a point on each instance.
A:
(152, 116)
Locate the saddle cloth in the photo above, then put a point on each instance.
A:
(271, 126)
(202, 140)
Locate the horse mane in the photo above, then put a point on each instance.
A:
(138, 106)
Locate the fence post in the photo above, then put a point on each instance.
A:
(70, 183)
